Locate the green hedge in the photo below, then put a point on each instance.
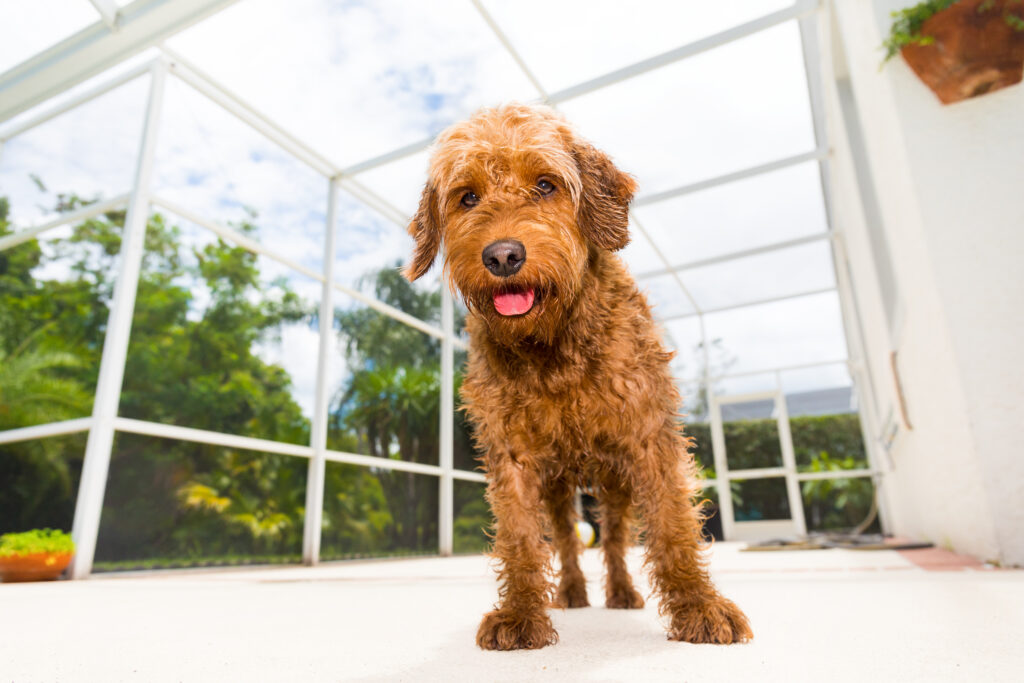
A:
(821, 443)
(755, 443)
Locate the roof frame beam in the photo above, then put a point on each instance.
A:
(749, 304)
(818, 154)
(768, 371)
(799, 9)
(510, 48)
(735, 255)
(39, 118)
(109, 11)
(96, 48)
(223, 97)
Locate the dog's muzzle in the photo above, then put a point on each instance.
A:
(504, 257)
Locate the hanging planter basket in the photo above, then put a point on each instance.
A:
(970, 48)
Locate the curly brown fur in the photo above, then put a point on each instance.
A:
(615, 538)
(575, 388)
(559, 499)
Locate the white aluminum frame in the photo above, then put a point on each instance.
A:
(92, 484)
(724, 476)
(43, 76)
(109, 11)
(96, 48)
(317, 472)
(84, 213)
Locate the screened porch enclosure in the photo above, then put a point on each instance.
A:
(210, 355)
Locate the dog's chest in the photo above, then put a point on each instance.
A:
(540, 408)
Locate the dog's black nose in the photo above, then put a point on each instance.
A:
(504, 257)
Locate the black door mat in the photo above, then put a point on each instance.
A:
(836, 540)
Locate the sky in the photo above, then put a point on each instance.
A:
(356, 79)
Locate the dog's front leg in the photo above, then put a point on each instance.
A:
(698, 612)
(520, 619)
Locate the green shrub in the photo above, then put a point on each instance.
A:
(36, 541)
(821, 443)
(906, 26)
(755, 443)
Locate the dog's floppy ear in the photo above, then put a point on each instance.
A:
(603, 211)
(425, 228)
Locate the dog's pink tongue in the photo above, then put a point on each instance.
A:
(514, 303)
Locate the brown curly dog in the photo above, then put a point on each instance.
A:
(567, 380)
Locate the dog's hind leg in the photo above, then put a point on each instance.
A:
(698, 612)
(615, 534)
(572, 587)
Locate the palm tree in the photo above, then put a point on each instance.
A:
(32, 392)
(394, 412)
(31, 388)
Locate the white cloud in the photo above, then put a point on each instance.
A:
(736, 106)
(90, 151)
(357, 79)
(570, 41)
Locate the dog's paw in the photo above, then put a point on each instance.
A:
(716, 620)
(572, 594)
(624, 597)
(508, 630)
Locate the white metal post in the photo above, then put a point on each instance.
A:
(796, 501)
(714, 418)
(317, 472)
(446, 507)
(92, 484)
(861, 378)
(721, 466)
(815, 36)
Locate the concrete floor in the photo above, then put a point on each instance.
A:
(828, 615)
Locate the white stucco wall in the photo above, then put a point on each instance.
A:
(950, 185)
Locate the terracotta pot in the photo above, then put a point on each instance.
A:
(34, 567)
(975, 50)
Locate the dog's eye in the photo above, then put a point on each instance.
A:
(545, 186)
(469, 200)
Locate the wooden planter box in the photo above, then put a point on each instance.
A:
(35, 567)
(975, 50)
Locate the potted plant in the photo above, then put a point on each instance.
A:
(961, 48)
(37, 555)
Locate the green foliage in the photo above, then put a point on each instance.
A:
(260, 497)
(755, 443)
(200, 315)
(390, 403)
(821, 443)
(192, 361)
(473, 521)
(47, 374)
(36, 541)
(836, 503)
(357, 519)
(906, 26)
(35, 388)
(32, 388)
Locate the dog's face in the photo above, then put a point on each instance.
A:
(520, 205)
